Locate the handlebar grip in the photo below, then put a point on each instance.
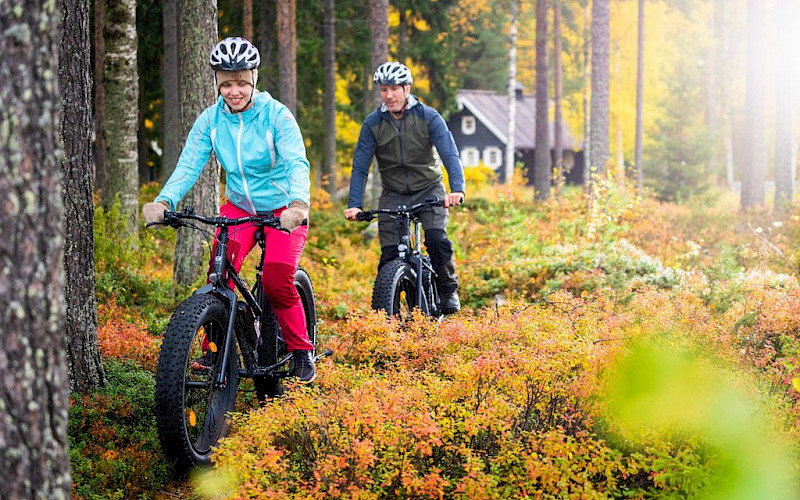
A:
(365, 216)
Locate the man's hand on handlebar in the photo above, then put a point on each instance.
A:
(453, 199)
(351, 213)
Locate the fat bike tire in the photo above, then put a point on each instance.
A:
(395, 289)
(191, 410)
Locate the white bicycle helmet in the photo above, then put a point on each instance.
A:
(392, 73)
(233, 54)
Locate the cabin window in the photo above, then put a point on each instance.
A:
(470, 157)
(468, 125)
(492, 157)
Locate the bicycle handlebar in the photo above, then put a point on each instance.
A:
(368, 215)
(176, 219)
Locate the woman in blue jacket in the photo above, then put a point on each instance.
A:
(257, 141)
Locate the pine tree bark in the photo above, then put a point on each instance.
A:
(558, 120)
(247, 19)
(639, 100)
(170, 110)
(379, 38)
(542, 152)
(34, 394)
(198, 35)
(99, 98)
(755, 158)
(329, 161)
(85, 366)
(600, 86)
(121, 88)
(287, 54)
(511, 89)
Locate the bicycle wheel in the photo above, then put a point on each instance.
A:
(302, 282)
(395, 289)
(190, 409)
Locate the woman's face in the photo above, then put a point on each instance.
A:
(236, 94)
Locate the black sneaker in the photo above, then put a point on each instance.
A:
(303, 366)
(450, 303)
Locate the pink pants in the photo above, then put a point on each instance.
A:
(281, 257)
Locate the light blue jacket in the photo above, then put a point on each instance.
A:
(261, 150)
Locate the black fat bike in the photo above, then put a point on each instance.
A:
(234, 337)
(407, 282)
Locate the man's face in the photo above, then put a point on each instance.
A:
(394, 96)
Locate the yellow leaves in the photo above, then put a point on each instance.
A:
(796, 384)
(191, 417)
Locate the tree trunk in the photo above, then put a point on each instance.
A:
(542, 152)
(287, 54)
(198, 35)
(600, 85)
(267, 21)
(639, 100)
(121, 117)
(85, 366)
(170, 112)
(587, 110)
(755, 157)
(558, 119)
(34, 388)
(329, 162)
(99, 98)
(512, 94)
(379, 38)
(784, 178)
(247, 19)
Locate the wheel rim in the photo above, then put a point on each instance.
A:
(204, 406)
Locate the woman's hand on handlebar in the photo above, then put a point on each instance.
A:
(453, 199)
(351, 213)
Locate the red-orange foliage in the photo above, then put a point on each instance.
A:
(121, 336)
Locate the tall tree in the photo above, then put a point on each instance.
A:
(247, 19)
(784, 173)
(512, 93)
(639, 99)
(542, 163)
(287, 53)
(121, 88)
(558, 90)
(755, 158)
(85, 366)
(587, 85)
(170, 112)
(379, 54)
(198, 36)
(600, 86)
(34, 394)
(329, 161)
(99, 97)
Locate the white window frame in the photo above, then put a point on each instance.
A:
(468, 125)
(470, 156)
(487, 154)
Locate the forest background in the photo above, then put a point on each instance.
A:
(609, 308)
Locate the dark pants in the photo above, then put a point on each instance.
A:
(434, 222)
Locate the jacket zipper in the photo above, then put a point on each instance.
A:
(241, 167)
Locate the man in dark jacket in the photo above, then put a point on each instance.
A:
(401, 135)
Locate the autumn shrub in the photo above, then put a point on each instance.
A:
(123, 336)
(113, 447)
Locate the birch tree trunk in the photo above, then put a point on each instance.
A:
(329, 161)
(600, 86)
(198, 36)
(542, 152)
(34, 395)
(639, 101)
(558, 119)
(512, 94)
(287, 54)
(83, 356)
(755, 158)
(170, 111)
(121, 88)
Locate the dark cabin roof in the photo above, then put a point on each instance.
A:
(492, 110)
